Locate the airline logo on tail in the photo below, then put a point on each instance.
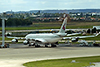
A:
(63, 27)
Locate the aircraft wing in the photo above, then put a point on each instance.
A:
(78, 37)
(75, 37)
(16, 37)
(73, 34)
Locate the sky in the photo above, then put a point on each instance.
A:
(27, 5)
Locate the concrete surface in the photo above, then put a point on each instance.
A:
(19, 54)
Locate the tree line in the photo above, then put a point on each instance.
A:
(16, 22)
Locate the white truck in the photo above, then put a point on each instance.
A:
(85, 43)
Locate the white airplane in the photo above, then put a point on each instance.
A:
(45, 38)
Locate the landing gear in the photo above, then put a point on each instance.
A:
(43, 45)
(37, 45)
(46, 45)
(53, 45)
(31, 44)
(57, 43)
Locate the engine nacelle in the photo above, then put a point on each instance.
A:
(25, 42)
(14, 40)
(75, 39)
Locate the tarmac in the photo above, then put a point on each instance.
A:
(19, 54)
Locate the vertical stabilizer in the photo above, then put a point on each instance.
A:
(63, 27)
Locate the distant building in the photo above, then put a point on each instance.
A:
(97, 27)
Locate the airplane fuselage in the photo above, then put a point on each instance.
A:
(45, 37)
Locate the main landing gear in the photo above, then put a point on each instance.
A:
(43, 45)
(36, 45)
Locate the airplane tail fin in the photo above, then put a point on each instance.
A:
(63, 27)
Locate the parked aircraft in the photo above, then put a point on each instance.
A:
(45, 38)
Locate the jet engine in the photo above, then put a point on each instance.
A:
(15, 40)
(75, 39)
(25, 42)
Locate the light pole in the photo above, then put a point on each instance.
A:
(3, 29)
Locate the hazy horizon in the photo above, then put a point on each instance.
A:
(27, 5)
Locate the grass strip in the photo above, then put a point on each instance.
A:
(55, 25)
(67, 62)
